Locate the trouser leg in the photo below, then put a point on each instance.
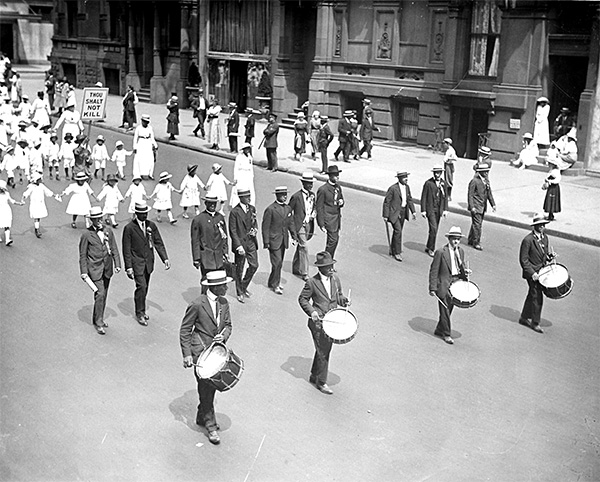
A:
(333, 238)
(324, 160)
(475, 231)
(141, 291)
(206, 407)
(300, 262)
(100, 300)
(434, 220)
(252, 260)
(276, 256)
(397, 236)
(320, 365)
(532, 309)
(443, 327)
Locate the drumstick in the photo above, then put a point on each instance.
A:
(349, 291)
(444, 304)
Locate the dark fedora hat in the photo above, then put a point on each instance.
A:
(324, 259)
(333, 170)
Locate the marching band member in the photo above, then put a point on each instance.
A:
(206, 320)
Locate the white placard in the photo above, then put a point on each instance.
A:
(94, 103)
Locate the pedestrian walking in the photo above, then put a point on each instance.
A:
(66, 155)
(214, 128)
(321, 294)
(447, 266)
(324, 138)
(6, 212)
(199, 106)
(366, 135)
(271, 132)
(243, 228)
(190, 191)
(314, 126)
(21, 159)
(344, 137)
(112, 196)
(130, 100)
(119, 157)
(243, 175)
(552, 187)
(353, 138)
(398, 207)
(300, 133)
(304, 213)
(207, 320)
(434, 205)
(79, 204)
(277, 222)
(478, 196)
(162, 192)
(40, 110)
(36, 192)
(329, 204)
(449, 161)
(140, 238)
(233, 126)
(136, 194)
(99, 157)
(144, 148)
(98, 260)
(249, 127)
(173, 117)
(216, 185)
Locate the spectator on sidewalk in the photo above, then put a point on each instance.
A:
(314, 126)
(344, 137)
(528, 155)
(300, 133)
(271, 132)
(199, 106)
(434, 205)
(173, 117)
(563, 152)
(233, 126)
(366, 135)
(249, 127)
(129, 102)
(324, 138)
(479, 194)
(563, 123)
(552, 187)
(541, 129)
(214, 128)
(449, 160)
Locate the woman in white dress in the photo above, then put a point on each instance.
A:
(6, 212)
(214, 129)
(162, 193)
(541, 129)
(144, 147)
(243, 176)
(190, 191)
(71, 120)
(79, 205)
(37, 193)
(40, 110)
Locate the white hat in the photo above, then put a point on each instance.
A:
(215, 278)
(572, 134)
(96, 212)
(119, 143)
(216, 167)
(437, 168)
(307, 177)
(455, 232)
(447, 140)
(164, 176)
(280, 190)
(539, 218)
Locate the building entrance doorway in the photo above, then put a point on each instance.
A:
(568, 76)
(467, 125)
(6, 40)
(238, 84)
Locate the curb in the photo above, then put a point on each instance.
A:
(358, 187)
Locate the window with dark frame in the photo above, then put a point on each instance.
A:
(485, 39)
(72, 19)
(409, 121)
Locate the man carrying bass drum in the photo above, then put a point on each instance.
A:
(321, 293)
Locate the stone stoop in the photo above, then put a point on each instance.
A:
(144, 94)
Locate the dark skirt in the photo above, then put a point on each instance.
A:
(552, 201)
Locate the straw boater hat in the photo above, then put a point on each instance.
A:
(215, 278)
(243, 193)
(146, 118)
(400, 174)
(164, 176)
(447, 140)
(539, 218)
(210, 198)
(528, 135)
(366, 101)
(246, 145)
(81, 176)
(96, 212)
(307, 177)
(437, 168)
(324, 259)
(455, 232)
(348, 113)
(280, 190)
(333, 170)
(23, 123)
(324, 118)
(565, 109)
(191, 168)
(142, 207)
(482, 166)
(485, 150)
(217, 167)
(232, 104)
(543, 99)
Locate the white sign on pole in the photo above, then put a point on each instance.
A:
(94, 103)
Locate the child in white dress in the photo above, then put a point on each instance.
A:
(162, 193)
(37, 192)
(36, 164)
(100, 156)
(137, 194)
(6, 212)
(190, 191)
(9, 164)
(21, 160)
(118, 157)
(79, 205)
(50, 154)
(217, 186)
(112, 197)
(66, 153)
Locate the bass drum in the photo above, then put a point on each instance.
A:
(221, 366)
(340, 325)
(464, 294)
(555, 280)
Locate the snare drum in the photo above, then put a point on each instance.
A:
(555, 280)
(221, 366)
(340, 325)
(464, 294)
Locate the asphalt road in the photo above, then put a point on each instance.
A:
(502, 404)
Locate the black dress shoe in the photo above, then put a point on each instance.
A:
(214, 438)
(478, 247)
(141, 320)
(247, 294)
(100, 330)
(146, 317)
(537, 328)
(524, 322)
(324, 388)
(240, 298)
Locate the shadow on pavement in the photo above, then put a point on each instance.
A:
(191, 294)
(415, 246)
(299, 367)
(126, 307)
(184, 410)
(427, 327)
(512, 315)
(85, 313)
(380, 249)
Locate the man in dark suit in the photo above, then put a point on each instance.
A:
(271, 132)
(200, 105)
(324, 138)
(276, 224)
(206, 320)
(233, 125)
(434, 205)
(249, 127)
(366, 134)
(397, 208)
(534, 255)
(480, 192)
(446, 267)
(302, 203)
(98, 252)
(140, 238)
(243, 229)
(344, 134)
(209, 239)
(321, 293)
(329, 209)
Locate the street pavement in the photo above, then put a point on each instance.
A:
(518, 194)
(503, 404)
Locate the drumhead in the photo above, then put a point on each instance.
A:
(340, 324)
(464, 290)
(211, 360)
(553, 275)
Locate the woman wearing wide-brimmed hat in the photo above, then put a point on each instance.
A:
(173, 117)
(552, 187)
(300, 133)
(541, 128)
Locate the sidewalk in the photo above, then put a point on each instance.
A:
(518, 194)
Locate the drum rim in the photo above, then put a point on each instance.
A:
(212, 345)
(341, 341)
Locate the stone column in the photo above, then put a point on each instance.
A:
(202, 42)
(158, 90)
(184, 55)
(591, 151)
(132, 77)
(193, 28)
(324, 45)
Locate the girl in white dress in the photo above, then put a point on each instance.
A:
(190, 191)
(136, 193)
(112, 197)
(162, 193)
(50, 154)
(214, 129)
(6, 212)
(119, 158)
(217, 186)
(9, 164)
(37, 193)
(66, 153)
(99, 156)
(79, 205)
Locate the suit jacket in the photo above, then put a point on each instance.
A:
(329, 206)
(240, 224)
(315, 291)
(392, 204)
(366, 129)
(324, 137)
(533, 254)
(276, 223)
(138, 247)
(199, 326)
(233, 122)
(249, 128)
(479, 194)
(95, 259)
(209, 240)
(271, 132)
(433, 199)
(299, 209)
(440, 272)
(344, 128)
